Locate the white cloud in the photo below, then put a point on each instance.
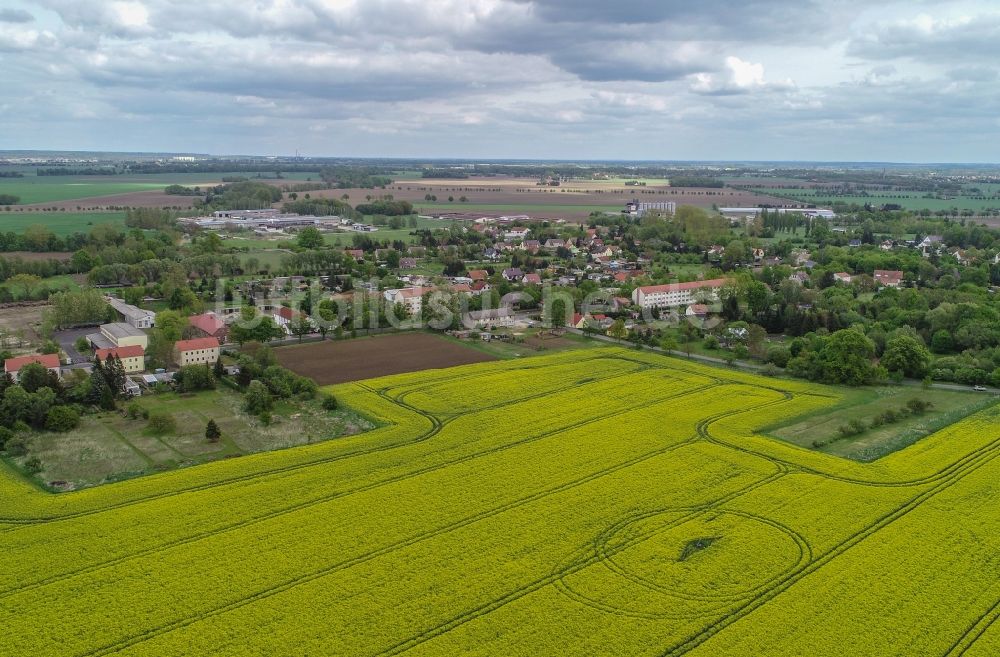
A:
(741, 77)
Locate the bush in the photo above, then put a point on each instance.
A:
(17, 446)
(161, 423)
(329, 402)
(918, 406)
(779, 355)
(192, 378)
(135, 410)
(33, 465)
(62, 419)
(257, 399)
(5, 436)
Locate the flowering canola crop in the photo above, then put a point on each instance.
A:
(606, 502)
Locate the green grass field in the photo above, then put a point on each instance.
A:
(596, 502)
(60, 223)
(864, 404)
(908, 200)
(110, 447)
(44, 189)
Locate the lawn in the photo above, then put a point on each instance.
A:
(43, 189)
(109, 447)
(821, 430)
(52, 284)
(908, 200)
(60, 223)
(596, 502)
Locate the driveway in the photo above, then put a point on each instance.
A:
(67, 340)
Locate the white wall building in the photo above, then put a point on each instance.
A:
(672, 295)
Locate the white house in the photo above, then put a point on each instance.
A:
(676, 294)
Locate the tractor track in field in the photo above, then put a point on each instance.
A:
(438, 425)
(974, 632)
(262, 474)
(937, 485)
(344, 565)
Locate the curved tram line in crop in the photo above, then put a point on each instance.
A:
(717, 610)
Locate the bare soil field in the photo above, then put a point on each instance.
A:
(146, 199)
(573, 200)
(20, 320)
(332, 362)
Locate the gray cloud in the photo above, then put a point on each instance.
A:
(520, 78)
(15, 16)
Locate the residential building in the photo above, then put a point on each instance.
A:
(531, 279)
(12, 366)
(513, 274)
(478, 275)
(198, 351)
(676, 294)
(412, 298)
(132, 357)
(491, 319)
(137, 317)
(285, 316)
(888, 278)
(842, 277)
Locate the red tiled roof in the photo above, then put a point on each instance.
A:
(196, 343)
(129, 351)
(888, 275)
(49, 361)
(478, 274)
(209, 323)
(679, 287)
(286, 313)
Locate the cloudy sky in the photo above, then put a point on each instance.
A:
(912, 81)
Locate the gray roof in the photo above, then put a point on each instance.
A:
(119, 330)
(128, 310)
(99, 341)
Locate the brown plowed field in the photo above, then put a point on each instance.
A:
(514, 192)
(341, 361)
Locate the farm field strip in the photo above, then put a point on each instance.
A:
(265, 509)
(287, 545)
(402, 429)
(524, 508)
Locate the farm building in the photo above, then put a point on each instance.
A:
(209, 325)
(118, 334)
(137, 317)
(12, 366)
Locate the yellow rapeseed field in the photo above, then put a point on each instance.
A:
(601, 502)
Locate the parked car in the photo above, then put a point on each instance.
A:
(979, 388)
